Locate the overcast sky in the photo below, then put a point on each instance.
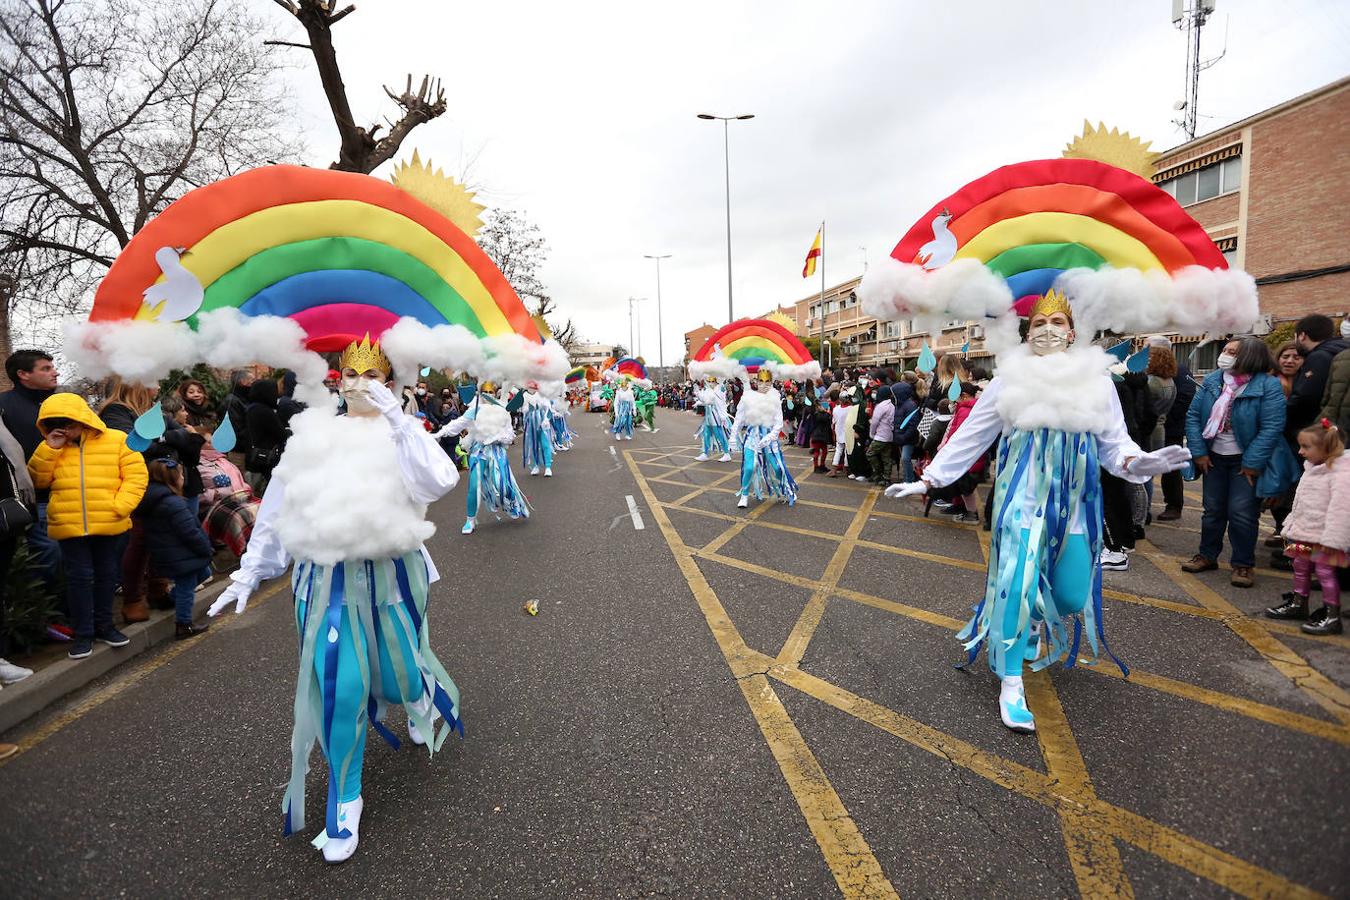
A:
(582, 116)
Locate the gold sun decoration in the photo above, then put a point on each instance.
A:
(783, 319)
(439, 191)
(1114, 147)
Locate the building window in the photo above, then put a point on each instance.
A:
(1206, 183)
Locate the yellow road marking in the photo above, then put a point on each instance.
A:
(124, 683)
(794, 648)
(1327, 694)
(851, 861)
(1212, 864)
(1093, 854)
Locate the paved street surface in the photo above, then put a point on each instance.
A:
(743, 703)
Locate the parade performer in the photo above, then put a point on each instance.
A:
(491, 480)
(348, 504)
(759, 421)
(1058, 423)
(538, 431)
(716, 427)
(625, 410)
(560, 410)
(646, 405)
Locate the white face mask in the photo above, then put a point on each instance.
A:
(421, 392)
(1226, 361)
(1345, 327)
(355, 390)
(1046, 339)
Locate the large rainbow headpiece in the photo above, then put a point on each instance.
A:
(340, 253)
(753, 343)
(1031, 221)
(1123, 251)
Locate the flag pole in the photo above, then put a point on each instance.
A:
(822, 294)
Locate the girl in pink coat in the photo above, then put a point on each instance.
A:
(1317, 532)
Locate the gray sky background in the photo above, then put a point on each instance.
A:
(582, 115)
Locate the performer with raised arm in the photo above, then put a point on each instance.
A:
(347, 503)
(1056, 417)
(716, 427)
(491, 480)
(759, 421)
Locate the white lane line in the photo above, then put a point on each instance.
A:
(612, 453)
(633, 513)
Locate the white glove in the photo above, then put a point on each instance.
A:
(1159, 462)
(236, 593)
(764, 442)
(908, 489)
(384, 400)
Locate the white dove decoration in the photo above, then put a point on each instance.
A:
(175, 298)
(942, 248)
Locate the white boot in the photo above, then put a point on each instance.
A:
(1012, 705)
(702, 457)
(548, 471)
(725, 457)
(336, 850)
(743, 502)
(424, 707)
(468, 525)
(10, 673)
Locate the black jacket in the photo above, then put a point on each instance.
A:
(906, 432)
(173, 537)
(185, 447)
(19, 410)
(822, 426)
(235, 405)
(1305, 400)
(1174, 426)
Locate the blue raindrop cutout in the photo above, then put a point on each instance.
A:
(1120, 351)
(954, 392)
(150, 424)
(138, 443)
(1138, 362)
(426, 370)
(224, 437)
(927, 361)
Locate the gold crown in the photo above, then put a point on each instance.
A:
(764, 374)
(1053, 302)
(362, 356)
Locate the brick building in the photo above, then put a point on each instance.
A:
(1273, 191)
(694, 340)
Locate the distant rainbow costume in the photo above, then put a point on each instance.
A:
(491, 481)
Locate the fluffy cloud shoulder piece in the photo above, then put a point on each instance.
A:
(410, 344)
(962, 289)
(789, 372)
(722, 367)
(344, 493)
(1068, 391)
(760, 408)
(1192, 300)
(140, 352)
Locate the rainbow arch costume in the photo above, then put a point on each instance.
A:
(1108, 250)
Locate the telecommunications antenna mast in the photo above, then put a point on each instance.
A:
(1190, 16)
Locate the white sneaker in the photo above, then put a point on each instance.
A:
(725, 457)
(12, 674)
(743, 502)
(548, 472)
(702, 457)
(534, 470)
(1012, 705)
(468, 526)
(336, 850)
(1114, 561)
(424, 706)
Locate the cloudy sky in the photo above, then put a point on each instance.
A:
(582, 116)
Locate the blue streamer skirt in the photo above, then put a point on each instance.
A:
(363, 646)
(492, 483)
(1060, 471)
(764, 471)
(713, 435)
(562, 432)
(538, 438)
(623, 419)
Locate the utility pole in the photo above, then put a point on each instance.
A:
(660, 331)
(1190, 16)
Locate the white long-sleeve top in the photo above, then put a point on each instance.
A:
(714, 402)
(487, 423)
(347, 488)
(757, 408)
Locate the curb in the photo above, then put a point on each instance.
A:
(20, 702)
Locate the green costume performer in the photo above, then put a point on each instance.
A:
(646, 405)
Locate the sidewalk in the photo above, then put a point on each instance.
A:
(64, 676)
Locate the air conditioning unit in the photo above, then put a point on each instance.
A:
(977, 332)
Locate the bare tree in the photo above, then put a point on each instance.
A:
(109, 111)
(518, 248)
(361, 150)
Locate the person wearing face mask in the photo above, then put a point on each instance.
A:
(1235, 428)
(759, 420)
(347, 504)
(625, 410)
(488, 432)
(1057, 420)
(716, 425)
(537, 436)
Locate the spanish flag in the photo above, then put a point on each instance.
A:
(812, 255)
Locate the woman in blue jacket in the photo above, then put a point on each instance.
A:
(1234, 430)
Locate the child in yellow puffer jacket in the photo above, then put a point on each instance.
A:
(96, 481)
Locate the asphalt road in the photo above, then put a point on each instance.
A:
(735, 703)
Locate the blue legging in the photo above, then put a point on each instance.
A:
(1070, 585)
(714, 437)
(475, 463)
(346, 744)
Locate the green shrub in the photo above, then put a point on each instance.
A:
(29, 604)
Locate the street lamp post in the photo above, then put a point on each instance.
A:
(660, 333)
(726, 160)
(632, 345)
